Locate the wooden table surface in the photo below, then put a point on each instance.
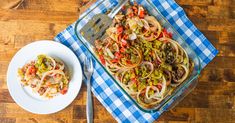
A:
(212, 101)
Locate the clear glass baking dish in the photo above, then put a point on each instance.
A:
(183, 89)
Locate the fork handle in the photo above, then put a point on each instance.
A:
(89, 106)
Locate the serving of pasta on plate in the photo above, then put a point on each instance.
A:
(47, 76)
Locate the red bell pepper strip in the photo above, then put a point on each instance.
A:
(102, 59)
(119, 29)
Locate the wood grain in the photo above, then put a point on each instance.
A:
(213, 100)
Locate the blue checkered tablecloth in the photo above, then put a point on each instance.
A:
(109, 94)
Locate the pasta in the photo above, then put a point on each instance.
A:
(142, 55)
(45, 75)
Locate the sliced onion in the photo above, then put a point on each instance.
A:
(157, 95)
(181, 52)
(109, 53)
(139, 22)
(119, 17)
(50, 73)
(146, 102)
(111, 68)
(106, 46)
(117, 47)
(114, 36)
(61, 66)
(132, 24)
(158, 77)
(132, 36)
(185, 53)
(158, 58)
(60, 63)
(152, 37)
(153, 21)
(118, 73)
(115, 66)
(155, 98)
(179, 59)
(176, 44)
(46, 92)
(34, 81)
(148, 89)
(168, 74)
(50, 92)
(61, 85)
(53, 61)
(184, 76)
(151, 68)
(163, 90)
(145, 24)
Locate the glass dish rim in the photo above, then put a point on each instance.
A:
(176, 91)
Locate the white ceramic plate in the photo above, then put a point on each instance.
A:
(31, 101)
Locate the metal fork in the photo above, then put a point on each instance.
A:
(88, 71)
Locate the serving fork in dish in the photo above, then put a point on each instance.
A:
(96, 27)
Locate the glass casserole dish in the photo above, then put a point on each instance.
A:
(181, 90)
